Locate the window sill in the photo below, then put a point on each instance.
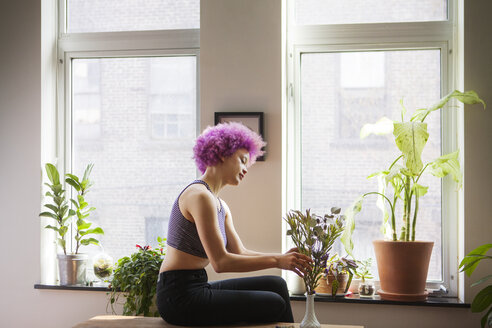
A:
(452, 302)
(84, 288)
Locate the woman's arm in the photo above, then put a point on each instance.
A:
(202, 207)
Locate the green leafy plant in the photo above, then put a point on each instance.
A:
(337, 266)
(483, 299)
(363, 271)
(135, 278)
(63, 215)
(59, 211)
(82, 210)
(404, 173)
(314, 236)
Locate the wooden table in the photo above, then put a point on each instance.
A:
(116, 321)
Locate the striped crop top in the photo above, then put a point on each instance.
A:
(182, 233)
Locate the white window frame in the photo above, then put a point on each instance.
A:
(57, 143)
(440, 35)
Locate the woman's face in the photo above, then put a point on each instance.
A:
(235, 166)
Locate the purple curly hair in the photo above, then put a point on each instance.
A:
(225, 139)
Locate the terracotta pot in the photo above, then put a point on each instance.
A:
(325, 284)
(403, 268)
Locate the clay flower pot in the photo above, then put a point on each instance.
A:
(403, 268)
(326, 284)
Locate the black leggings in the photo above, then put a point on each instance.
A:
(184, 297)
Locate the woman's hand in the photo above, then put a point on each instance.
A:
(294, 261)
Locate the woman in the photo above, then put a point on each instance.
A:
(201, 231)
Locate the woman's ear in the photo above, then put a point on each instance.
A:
(222, 158)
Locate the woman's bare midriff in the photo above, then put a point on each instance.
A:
(178, 260)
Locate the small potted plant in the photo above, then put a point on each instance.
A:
(314, 236)
(135, 278)
(337, 276)
(363, 272)
(399, 280)
(72, 265)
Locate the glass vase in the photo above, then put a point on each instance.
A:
(310, 320)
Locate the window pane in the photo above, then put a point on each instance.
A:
(340, 93)
(136, 176)
(131, 15)
(314, 12)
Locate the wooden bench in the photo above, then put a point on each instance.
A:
(116, 321)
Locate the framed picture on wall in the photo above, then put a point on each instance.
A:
(253, 120)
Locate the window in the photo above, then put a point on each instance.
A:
(340, 77)
(127, 102)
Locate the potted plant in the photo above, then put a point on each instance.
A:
(314, 236)
(337, 276)
(135, 278)
(402, 261)
(363, 272)
(483, 299)
(71, 265)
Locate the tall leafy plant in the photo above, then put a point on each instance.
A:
(314, 236)
(82, 209)
(483, 299)
(63, 215)
(59, 210)
(404, 173)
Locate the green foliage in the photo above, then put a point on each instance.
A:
(404, 173)
(314, 236)
(483, 299)
(59, 210)
(63, 215)
(82, 209)
(363, 271)
(135, 277)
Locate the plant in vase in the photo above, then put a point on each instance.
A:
(72, 266)
(314, 236)
(363, 272)
(400, 280)
(102, 264)
(135, 277)
(483, 299)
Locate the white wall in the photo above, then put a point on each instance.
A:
(240, 70)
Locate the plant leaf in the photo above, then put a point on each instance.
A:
(447, 164)
(482, 300)
(470, 257)
(385, 226)
(61, 242)
(84, 225)
(487, 318)
(52, 207)
(52, 227)
(52, 173)
(346, 237)
(87, 172)
(73, 183)
(97, 230)
(49, 215)
(73, 177)
(88, 241)
(481, 280)
(419, 189)
(468, 97)
(381, 127)
(410, 138)
(394, 173)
